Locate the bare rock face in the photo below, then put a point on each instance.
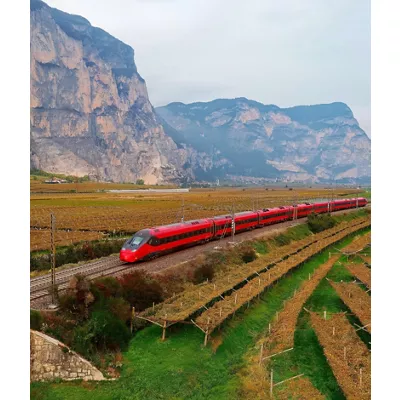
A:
(90, 111)
(320, 143)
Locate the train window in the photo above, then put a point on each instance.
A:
(154, 241)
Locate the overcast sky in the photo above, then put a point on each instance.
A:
(287, 52)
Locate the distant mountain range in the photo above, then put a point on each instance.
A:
(91, 115)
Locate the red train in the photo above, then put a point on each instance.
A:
(151, 243)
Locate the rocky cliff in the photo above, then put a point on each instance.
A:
(319, 143)
(90, 112)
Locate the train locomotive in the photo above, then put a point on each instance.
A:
(150, 243)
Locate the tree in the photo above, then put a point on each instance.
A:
(140, 182)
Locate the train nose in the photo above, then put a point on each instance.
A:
(127, 255)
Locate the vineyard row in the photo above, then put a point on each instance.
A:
(347, 355)
(356, 299)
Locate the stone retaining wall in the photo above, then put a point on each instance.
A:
(51, 359)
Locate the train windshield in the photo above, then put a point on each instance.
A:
(138, 239)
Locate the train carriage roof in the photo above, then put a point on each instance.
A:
(198, 223)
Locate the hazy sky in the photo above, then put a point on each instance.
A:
(287, 52)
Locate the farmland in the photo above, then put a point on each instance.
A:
(95, 215)
(180, 367)
(361, 272)
(348, 356)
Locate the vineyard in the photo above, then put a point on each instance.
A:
(358, 245)
(356, 299)
(85, 216)
(282, 333)
(280, 338)
(216, 301)
(347, 355)
(366, 259)
(361, 272)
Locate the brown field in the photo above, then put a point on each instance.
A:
(298, 389)
(125, 213)
(356, 299)
(361, 272)
(345, 366)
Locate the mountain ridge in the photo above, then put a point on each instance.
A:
(271, 132)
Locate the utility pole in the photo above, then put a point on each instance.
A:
(294, 206)
(183, 209)
(53, 257)
(233, 222)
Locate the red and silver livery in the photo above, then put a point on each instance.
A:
(150, 243)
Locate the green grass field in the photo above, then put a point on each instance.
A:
(180, 368)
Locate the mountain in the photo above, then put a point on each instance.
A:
(90, 111)
(317, 143)
(91, 115)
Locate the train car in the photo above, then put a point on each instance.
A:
(344, 204)
(246, 220)
(222, 225)
(268, 216)
(150, 243)
(319, 208)
(304, 209)
(361, 201)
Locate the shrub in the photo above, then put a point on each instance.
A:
(106, 287)
(119, 307)
(248, 254)
(173, 280)
(75, 253)
(78, 297)
(140, 290)
(101, 332)
(282, 240)
(83, 340)
(203, 272)
(36, 320)
(260, 246)
(58, 326)
(107, 331)
(320, 222)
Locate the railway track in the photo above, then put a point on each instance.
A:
(40, 285)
